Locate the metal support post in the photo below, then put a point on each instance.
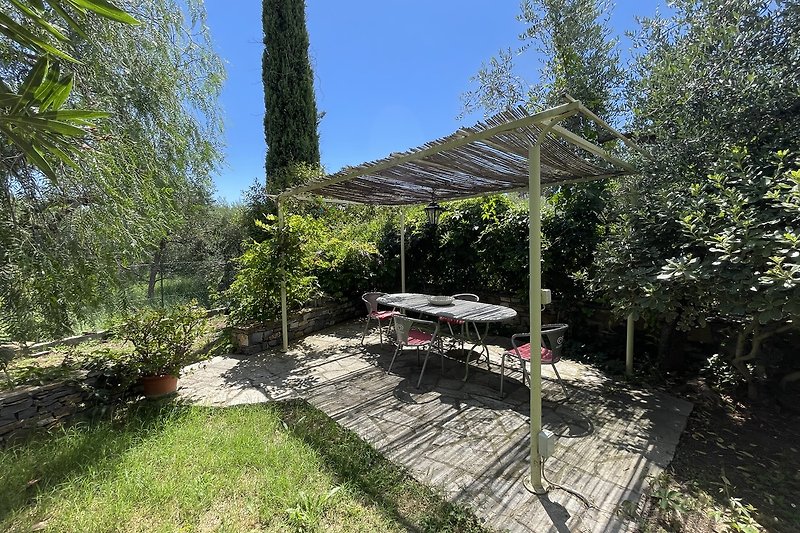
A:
(284, 310)
(534, 482)
(629, 347)
(402, 249)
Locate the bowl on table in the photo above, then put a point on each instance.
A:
(440, 300)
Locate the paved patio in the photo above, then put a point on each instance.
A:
(461, 437)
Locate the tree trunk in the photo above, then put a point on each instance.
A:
(739, 359)
(155, 267)
(670, 346)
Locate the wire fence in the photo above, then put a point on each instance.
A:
(173, 283)
(165, 285)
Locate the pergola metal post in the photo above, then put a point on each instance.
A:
(284, 310)
(402, 250)
(629, 347)
(535, 302)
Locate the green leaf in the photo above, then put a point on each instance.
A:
(59, 94)
(105, 9)
(61, 12)
(82, 115)
(20, 34)
(49, 84)
(58, 152)
(29, 150)
(39, 21)
(33, 82)
(43, 124)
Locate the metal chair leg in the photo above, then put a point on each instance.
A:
(480, 341)
(502, 373)
(391, 328)
(561, 381)
(366, 326)
(427, 354)
(394, 357)
(524, 372)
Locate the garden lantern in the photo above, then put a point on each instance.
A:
(433, 210)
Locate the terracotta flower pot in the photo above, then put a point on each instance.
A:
(158, 386)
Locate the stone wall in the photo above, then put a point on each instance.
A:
(28, 408)
(517, 304)
(41, 348)
(599, 318)
(265, 335)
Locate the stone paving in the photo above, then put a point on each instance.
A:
(460, 436)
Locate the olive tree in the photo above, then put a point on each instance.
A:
(580, 57)
(707, 231)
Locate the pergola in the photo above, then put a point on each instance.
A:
(511, 151)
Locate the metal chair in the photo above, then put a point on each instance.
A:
(410, 335)
(465, 334)
(465, 330)
(370, 299)
(551, 348)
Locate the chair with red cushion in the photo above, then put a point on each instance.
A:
(371, 301)
(410, 334)
(552, 346)
(465, 330)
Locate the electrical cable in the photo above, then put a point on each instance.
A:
(586, 501)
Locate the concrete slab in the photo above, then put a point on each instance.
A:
(461, 436)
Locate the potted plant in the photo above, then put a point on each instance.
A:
(163, 341)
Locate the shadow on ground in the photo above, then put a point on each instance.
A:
(463, 438)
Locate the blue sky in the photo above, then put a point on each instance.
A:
(388, 73)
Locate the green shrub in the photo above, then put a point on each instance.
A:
(163, 343)
(346, 268)
(255, 293)
(480, 245)
(163, 338)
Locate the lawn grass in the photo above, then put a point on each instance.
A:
(166, 467)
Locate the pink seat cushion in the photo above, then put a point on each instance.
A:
(525, 353)
(418, 338)
(447, 320)
(382, 315)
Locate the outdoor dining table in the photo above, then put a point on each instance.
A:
(477, 312)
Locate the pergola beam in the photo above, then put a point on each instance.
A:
(590, 147)
(587, 112)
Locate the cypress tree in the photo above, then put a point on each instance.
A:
(290, 121)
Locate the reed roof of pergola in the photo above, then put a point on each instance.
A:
(489, 157)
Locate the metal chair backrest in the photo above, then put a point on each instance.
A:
(553, 338)
(468, 296)
(402, 325)
(371, 301)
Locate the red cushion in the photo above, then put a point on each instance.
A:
(525, 353)
(382, 315)
(417, 338)
(448, 320)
